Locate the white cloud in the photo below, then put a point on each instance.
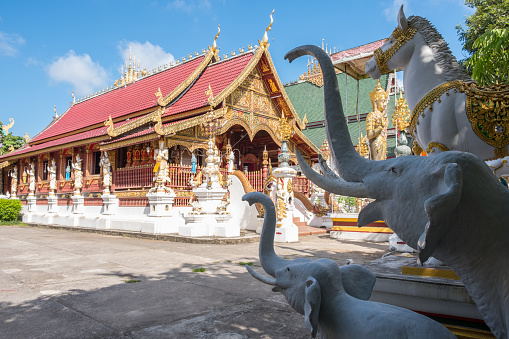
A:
(31, 61)
(189, 6)
(391, 12)
(85, 75)
(147, 55)
(9, 43)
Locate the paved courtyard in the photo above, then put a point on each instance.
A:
(64, 284)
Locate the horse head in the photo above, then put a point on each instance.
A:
(397, 50)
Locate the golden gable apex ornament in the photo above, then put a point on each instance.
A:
(378, 94)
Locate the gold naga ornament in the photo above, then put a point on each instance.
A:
(8, 126)
(401, 117)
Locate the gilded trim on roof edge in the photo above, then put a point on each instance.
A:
(173, 94)
(283, 92)
(240, 79)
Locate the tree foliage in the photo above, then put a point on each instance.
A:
(489, 15)
(9, 140)
(490, 61)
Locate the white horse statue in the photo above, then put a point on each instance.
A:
(449, 110)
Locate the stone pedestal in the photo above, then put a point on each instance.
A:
(31, 202)
(79, 204)
(198, 225)
(52, 203)
(209, 199)
(161, 204)
(224, 228)
(286, 230)
(323, 221)
(110, 203)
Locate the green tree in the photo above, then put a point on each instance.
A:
(490, 61)
(9, 140)
(489, 15)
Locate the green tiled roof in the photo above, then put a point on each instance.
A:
(307, 99)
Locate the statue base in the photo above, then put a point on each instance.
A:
(209, 199)
(52, 203)
(79, 204)
(288, 232)
(110, 203)
(198, 225)
(224, 228)
(161, 204)
(31, 202)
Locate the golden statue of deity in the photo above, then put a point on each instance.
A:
(376, 124)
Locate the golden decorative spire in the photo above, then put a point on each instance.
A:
(362, 147)
(55, 109)
(285, 129)
(325, 150)
(265, 40)
(214, 45)
(401, 117)
(378, 94)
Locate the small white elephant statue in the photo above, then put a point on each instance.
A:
(332, 298)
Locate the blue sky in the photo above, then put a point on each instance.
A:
(50, 48)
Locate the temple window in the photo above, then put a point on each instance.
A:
(96, 167)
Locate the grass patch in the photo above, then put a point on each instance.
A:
(246, 263)
(12, 223)
(201, 269)
(131, 281)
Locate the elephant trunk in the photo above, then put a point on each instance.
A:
(268, 258)
(352, 166)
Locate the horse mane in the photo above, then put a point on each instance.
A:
(441, 52)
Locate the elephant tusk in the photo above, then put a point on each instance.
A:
(326, 170)
(337, 186)
(263, 279)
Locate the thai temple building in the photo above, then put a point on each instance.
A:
(104, 152)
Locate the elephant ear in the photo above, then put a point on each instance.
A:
(358, 281)
(440, 210)
(312, 305)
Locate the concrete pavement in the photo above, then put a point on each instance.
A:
(63, 284)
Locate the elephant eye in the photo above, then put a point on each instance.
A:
(394, 170)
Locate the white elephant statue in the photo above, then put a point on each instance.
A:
(450, 205)
(333, 299)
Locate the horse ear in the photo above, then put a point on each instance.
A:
(312, 305)
(402, 23)
(440, 209)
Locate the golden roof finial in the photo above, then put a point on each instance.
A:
(378, 94)
(265, 39)
(130, 53)
(55, 109)
(26, 137)
(214, 45)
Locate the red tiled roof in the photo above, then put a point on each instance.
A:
(121, 101)
(360, 50)
(218, 75)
